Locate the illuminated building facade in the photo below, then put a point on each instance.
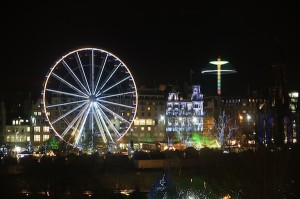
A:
(245, 112)
(292, 126)
(26, 126)
(17, 130)
(185, 115)
(275, 121)
(18, 133)
(210, 109)
(149, 121)
(41, 128)
(256, 121)
(2, 121)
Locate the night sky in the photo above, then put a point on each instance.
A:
(159, 43)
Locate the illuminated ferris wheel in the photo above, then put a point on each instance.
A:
(89, 97)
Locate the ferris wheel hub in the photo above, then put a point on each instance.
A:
(93, 98)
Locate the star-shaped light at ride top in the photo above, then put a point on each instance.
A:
(219, 67)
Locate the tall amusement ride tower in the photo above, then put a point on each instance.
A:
(218, 67)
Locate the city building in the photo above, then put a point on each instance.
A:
(245, 113)
(25, 127)
(184, 115)
(162, 111)
(149, 122)
(40, 127)
(2, 121)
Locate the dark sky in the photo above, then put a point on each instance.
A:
(159, 43)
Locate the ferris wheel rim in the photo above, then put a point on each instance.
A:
(44, 101)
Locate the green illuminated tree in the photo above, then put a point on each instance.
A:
(203, 140)
(53, 143)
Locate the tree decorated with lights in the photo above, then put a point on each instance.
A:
(163, 188)
(224, 128)
(29, 147)
(202, 140)
(54, 144)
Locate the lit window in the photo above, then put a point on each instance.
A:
(45, 137)
(149, 122)
(39, 113)
(142, 122)
(46, 129)
(35, 113)
(28, 138)
(149, 108)
(37, 129)
(149, 128)
(136, 122)
(294, 140)
(142, 128)
(28, 128)
(37, 138)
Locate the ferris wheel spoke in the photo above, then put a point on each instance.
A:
(82, 125)
(117, 104)
(78, 60)
(100, 127)
(92, 121)
(111, 74)
(113, 113)
(76, 118)
(92, 72)
(68, 84)
(110, 124)
(119, 82)
(67, 113)
(107, 132)
(100, 72)
(115, 95)
(65, 93)
(75, 130)
(67, 103)
(74, 76)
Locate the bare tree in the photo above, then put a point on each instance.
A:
(224, 127)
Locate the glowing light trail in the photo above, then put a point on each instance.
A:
(215, 67)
